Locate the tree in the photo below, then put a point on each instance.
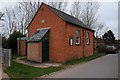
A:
(100, 29)
(28, 10)
(1, 16)
(9, 24)
(4, 42)
(109, 37)
(12, 41)
(58, 5)
(87, 13)
(18, 17)
(76, 10)
(1, 19)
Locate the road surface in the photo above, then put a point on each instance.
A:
(0, 71)
(0, 63)
(103, 67)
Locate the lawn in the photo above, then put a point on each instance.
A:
(14, 56)
(18, 70)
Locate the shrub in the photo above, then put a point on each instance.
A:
(101, 48)
(12, 41)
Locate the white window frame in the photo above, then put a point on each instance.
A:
(77, 37)
(87, 38)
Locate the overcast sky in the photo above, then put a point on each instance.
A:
(108, 12)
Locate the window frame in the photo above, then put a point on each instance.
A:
(78, 37)
(88, 38)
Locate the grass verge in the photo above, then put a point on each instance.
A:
(18, 70)
(84, 59)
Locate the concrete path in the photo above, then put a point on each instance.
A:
(38, 65)
(103, 67)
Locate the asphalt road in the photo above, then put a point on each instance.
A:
(0, 63)
(0, 71)
(103, 67)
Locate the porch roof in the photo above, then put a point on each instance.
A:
(22, 38)
(38, 35)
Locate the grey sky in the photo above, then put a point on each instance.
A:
(108, 13)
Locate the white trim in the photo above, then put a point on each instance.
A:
(87, 37)
(77, 43)
(43, 28)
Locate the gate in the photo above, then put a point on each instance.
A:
(6, 57)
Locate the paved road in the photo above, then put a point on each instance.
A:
(0, 71)
(103, 67)
(0, 63)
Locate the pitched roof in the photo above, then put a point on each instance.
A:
(39, 34)
(68, 18)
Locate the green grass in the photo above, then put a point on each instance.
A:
(85, 59)
(14, 56)
(18, 70)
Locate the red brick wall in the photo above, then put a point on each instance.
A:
(77, 51)
(74, 51)
(57, 32)
(34, 52)
(59, 49)
(22, 47)
(89, 49)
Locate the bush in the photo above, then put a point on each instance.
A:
(12, 41)
(101, 48)
(5, 43)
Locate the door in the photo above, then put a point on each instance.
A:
(45, 51)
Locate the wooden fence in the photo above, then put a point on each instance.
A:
(6, 57)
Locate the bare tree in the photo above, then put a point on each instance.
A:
(76, 10)
(1, 16)
(98, 29)
(28, 10)
(58, 5)
(1, 19)
(87, 13)
(9, 21)
(19, 17)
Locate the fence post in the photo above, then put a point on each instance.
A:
(9, 58)
(1, 55)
